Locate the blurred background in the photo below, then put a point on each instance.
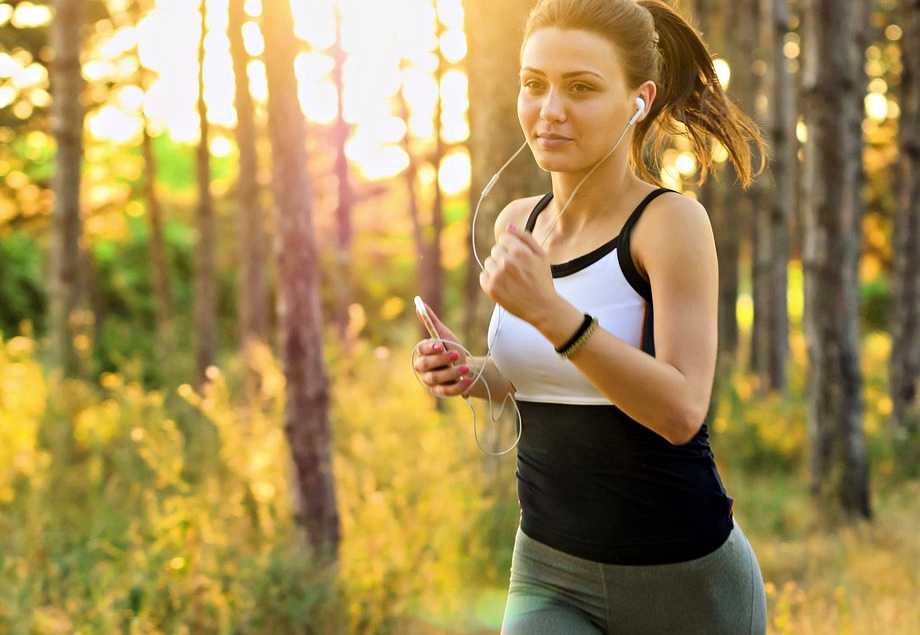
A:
(214, 215)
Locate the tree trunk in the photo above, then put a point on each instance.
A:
(66, 227)
(709, 17)
(419, 235)
(735, 237)
(205, 284)
(770, 341)
(431, 278)
(905, 296)
(343, 211)
(839, 468)
(253, 310)
(306, 411)
(493, 62)
(159, 268)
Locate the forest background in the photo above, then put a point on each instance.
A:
(213, 218)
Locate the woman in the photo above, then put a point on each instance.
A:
(605, 333)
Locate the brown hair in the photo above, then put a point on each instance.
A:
(656, 43)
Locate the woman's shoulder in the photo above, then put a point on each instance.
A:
(674, 213)
(673, 227)
(516, 213)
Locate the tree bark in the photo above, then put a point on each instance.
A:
(66, 227)
(253, 310)
(205, 283)
(833, 213)
(159, 268)
(905, 295)
(771, 245)
(494, 32)
(306, 412)
(734, 236)
(345, 203)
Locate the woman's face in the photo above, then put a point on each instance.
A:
(574, 101)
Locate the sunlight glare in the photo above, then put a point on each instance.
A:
(453, 45)
(34, 74)
(111, 122)
(375, 160)
(253, 8)
(685, 163)
(120, 43)
(389, 46)
(454, 104)
(450, 13)
(392, 130)
(318, 97)
(8, 65)
(258, 80)
(130, 98)
(221, 146)
(723, 71)
(29, 16)
(252, 39)
(97, 70)
(7, 96)
(315, 22)
(876, 105)
(6, 12)
(455, 173)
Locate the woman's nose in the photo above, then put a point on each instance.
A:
(552, 108)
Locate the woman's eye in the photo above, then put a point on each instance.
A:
(580, 88)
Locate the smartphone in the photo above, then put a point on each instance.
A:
(425, 318)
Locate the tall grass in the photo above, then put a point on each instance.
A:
(126, 510)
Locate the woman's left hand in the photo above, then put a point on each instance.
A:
(517, 275)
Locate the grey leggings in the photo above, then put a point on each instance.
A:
(553, 593)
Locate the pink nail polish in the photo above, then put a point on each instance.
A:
(467, 381)
(464, 369)
(454, 356)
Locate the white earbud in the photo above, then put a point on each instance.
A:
(640, 108)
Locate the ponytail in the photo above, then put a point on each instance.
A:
(691, 103)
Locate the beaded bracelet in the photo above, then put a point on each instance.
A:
(587, 328)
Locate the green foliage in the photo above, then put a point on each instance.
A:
(109, 526)
(875, 303)
(411, 494)
(21, 287)
(126, 510)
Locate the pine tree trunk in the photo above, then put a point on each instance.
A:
(205, 284)
(159, 268)
(431, 276)
(253, 309)
(737, 240)
(839, 467)
(771, 236)
(306, 412)
(343, 211)
(494, 33)
(905, 288)
(66, 227)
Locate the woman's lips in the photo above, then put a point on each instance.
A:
(552, 140)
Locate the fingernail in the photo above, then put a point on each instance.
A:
(438, 347)
(512, 227)
(467, 381)
(464, 369)
(454, 356)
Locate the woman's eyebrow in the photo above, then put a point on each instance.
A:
(536, 71)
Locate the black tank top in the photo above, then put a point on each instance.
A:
(594, 483)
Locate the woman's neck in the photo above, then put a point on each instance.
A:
(601, 192)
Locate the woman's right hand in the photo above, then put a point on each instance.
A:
(441, 367)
